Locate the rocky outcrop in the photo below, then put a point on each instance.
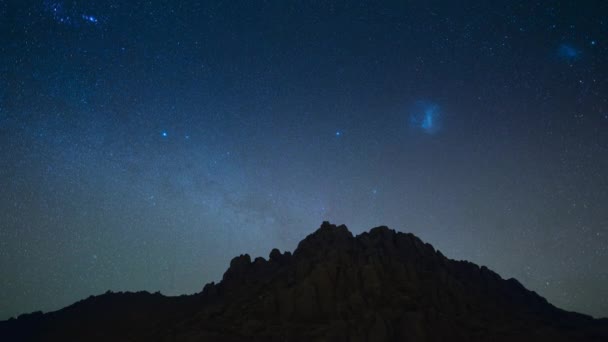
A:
(379, 286)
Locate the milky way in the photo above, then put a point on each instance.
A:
(143, 144)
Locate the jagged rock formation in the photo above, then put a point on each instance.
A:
(378, 286)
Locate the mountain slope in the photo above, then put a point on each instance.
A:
(378, 286)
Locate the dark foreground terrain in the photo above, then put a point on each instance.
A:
(378, 286)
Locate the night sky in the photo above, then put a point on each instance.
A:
(143, 144)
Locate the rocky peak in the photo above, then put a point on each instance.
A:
(381, 285)
(327, 237)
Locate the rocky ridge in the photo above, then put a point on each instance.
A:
(381, 285)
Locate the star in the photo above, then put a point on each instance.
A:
(90, 18)
(408, 116)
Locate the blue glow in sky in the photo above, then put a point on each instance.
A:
(426, 117)
(568, 51)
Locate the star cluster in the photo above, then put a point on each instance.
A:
(67, 13)
(143, 144)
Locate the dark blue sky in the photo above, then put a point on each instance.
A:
(143, 144)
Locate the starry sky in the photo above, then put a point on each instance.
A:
(143, 144)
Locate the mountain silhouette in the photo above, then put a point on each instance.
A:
(381, 285)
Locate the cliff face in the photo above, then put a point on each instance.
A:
(378, 286)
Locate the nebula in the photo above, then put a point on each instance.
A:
(426, 116)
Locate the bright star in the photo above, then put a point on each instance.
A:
(164, 134)
(338, 133)
(90, 18)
